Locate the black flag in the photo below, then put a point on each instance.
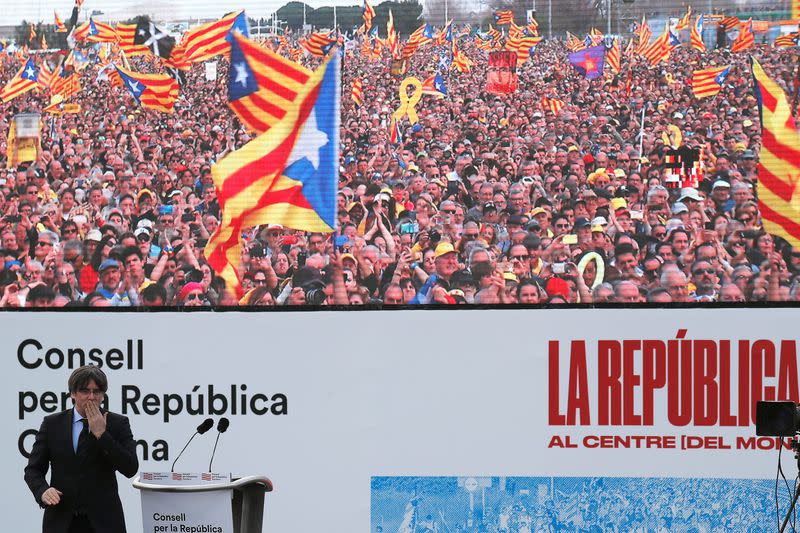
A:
(159, 42)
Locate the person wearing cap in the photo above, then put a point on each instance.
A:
(721, 195)
(436, 287)
(747, 164)
(111, 285)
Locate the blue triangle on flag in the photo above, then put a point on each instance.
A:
(241, 78)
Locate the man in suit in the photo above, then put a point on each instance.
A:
(85, 446)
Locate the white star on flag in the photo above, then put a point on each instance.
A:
(29, 72)
(310, 140)
(241, 74)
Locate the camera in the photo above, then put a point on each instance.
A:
(434, 236)
(777, 418)
(315, 293)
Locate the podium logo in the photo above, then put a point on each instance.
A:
(176, 476)
(206, 477)
(148, 476)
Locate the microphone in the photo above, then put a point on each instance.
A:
(207, 424)
(222, 427)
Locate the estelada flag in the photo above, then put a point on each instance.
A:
(95, 32)
(211, 39)
(357, 94)
(501, 77)
(286, 176)
(318, 44)
(59, 24)
(434, 86)
(24, 80)
(154, 91)
(505, 16)
(262, 85)
(708, 82)
(779, 159)
(696, 37)
(614, 56)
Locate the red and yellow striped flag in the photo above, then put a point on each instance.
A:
(683, 23)
(644, 33)
(368, 13)
(730, 23)
(708, 82)
(505, 16)
(59, 24)
(318, 44)
(614, 56)
(357, 95)
(95, 32)
(788, 40)
(23, 81)
(554, 105)
(45, 75)
(796, 9)
(126, 34)
(208, 40)
(746, 38)
(696, 37)
(262, 84)
(779, 160)
(658, 50)
(66, 82)
(154, 91)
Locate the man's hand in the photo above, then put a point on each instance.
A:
(97, 420)
(51, 496)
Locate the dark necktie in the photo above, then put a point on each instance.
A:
(83, 438)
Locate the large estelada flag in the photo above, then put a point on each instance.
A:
(24, 80)
(262, 85)
(696, 35)
(779, 159)
(95, 32)
(614, 56)
(708, 82)
(154, 91)
(211, 39)
(589, 62)
(286, 176)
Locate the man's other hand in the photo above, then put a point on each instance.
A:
(51, 496)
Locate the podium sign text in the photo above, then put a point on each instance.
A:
(186, 512)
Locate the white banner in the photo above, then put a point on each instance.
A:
(403, 420)
(211, 71)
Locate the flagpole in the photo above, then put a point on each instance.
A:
(641, 137)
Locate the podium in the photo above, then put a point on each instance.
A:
(211, 503)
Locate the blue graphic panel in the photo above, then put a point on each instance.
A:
(573, 504)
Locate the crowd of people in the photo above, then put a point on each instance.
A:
(574, 505)
(488, 199)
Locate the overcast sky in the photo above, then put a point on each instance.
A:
(14, 11)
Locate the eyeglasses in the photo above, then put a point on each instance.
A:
(470, 236)
(260, 281)
(194, 296)
(519, 257)
(562, 225)
(44, 243)
(700, 271)
(449, 211)
(92, 392)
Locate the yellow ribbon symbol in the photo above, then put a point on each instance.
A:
(409, 101)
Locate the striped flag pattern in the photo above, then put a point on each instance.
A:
(126, 34)
(277, 81)
(23, 81)
(658, 50)
(614, 56)
(153, 91)
(683, 23)
(460, 60)
(95, 32)
(494, 33)
(746, 38)
(66, 83)
(788, 40)
(392, 40)
(644, 33)
(574, 44)
(368, 13)
(730, 23)
(779, 159)
(357, 94)
(696, 37)
(59, 24)
(421, 36)
(554, 105)
(505, 16)
(708, 82)
(45, 75)
(208, 40)
(318, 44)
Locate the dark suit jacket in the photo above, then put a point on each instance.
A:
(88, 481)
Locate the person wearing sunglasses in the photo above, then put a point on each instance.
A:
(84, 447)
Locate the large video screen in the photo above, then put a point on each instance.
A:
(398, 153)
